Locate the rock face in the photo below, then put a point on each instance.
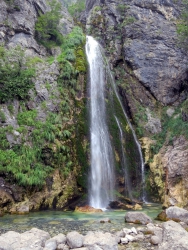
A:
(170, 173)
(45, 98)
(149, 42)
(18, 24)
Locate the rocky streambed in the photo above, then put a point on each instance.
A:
(139, 232)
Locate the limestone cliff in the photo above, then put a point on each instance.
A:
(150, 69)
(43, 139)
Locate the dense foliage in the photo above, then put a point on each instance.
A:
(76, 8)
(43, 146)
(15, 77)
(182, 26)
(172, 127)
(46, 28)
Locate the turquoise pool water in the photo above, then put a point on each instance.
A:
(62, 222)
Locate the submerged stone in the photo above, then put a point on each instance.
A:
(88, 209)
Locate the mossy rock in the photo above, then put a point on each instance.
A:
(162, 216)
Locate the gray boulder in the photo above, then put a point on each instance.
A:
(137, 218)
(60, 238)
(51, 244)
(29, 240)
(99, 240)
(176, 213)
(174, 237)
(74, 239)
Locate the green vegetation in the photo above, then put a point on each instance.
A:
(172, 127)
(15, 77)
(2, 116)
(122, 8)
(12, 6)
(72, 60)
(46, 27)
(128, 20)
(182, 26)
(140, 119)
(75, 8)
(44, 146)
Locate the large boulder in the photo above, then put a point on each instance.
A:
(74, 239)
(174, 213)
(137, 218)
(174, 237)
(32, 239)
(100, 241)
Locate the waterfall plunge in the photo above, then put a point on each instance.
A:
(102, 160)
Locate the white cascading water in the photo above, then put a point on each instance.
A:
(134, 135)
(127, 182)
(102, 160)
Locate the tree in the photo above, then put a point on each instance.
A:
(46, 27)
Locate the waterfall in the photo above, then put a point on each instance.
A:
(102, 160)
(124, 162)
(134, 136)
(102, 156)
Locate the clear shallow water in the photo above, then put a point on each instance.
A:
(63, 222)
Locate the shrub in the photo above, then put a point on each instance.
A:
(182, 25)
(76, 8)
(46, 27)
(15, 77)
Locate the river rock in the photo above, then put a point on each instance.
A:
(105, 220)
(51, 244)
(137, 207)
(74, 239)
(124, 240)
(60, 238)
(104, 241)
(81, 248)
(154, 240)
(32, 239)
(130, 237)
(156, 231)
(177, 213)
(133, 229)
(137, 218)
(62, 247)
(174, 236)
(139, 237)
(127, 230)
(88, 209)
